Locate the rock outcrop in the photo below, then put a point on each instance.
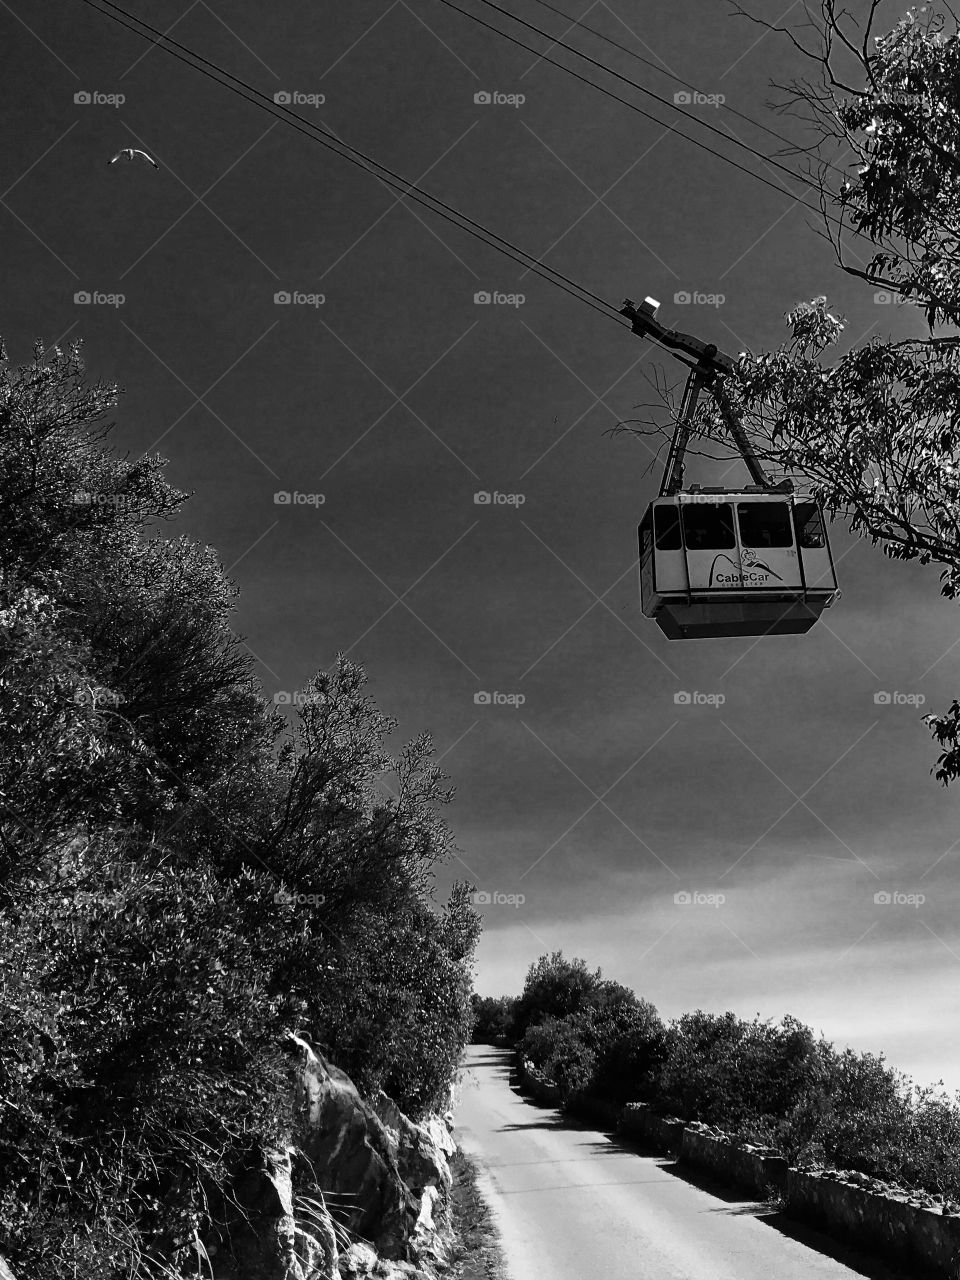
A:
(386, 1174)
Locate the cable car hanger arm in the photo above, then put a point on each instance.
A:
(747, 452)
(709, 370)
(644, 322)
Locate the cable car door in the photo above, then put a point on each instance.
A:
(713, 554)
(768, 553)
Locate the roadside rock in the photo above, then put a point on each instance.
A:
(358, 1158)
(422, 1151)
(266, 1242)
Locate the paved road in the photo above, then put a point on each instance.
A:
(574, 1204)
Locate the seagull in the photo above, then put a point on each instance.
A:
(131, 153)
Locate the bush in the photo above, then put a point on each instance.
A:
(554, 987)
(776, 1084)
(725, 1071)
(629, 1041)
(183, 878)
(493, 1018)
(555, 1047)
(142, 1049)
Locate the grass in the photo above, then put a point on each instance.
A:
(476, 1253)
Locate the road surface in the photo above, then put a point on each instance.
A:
(573, 1204)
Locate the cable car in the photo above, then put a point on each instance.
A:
(734, 562)
(714, 562)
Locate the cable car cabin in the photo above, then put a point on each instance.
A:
(735, 562)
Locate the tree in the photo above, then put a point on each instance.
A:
(554, 987)
(629, 1039)
(874, 430)
(492, 1018)
(184, 877)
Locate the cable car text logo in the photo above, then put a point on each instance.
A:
(753, 570)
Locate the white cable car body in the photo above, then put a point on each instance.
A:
(734, 562)
(751, 561)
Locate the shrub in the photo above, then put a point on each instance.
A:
(556, 1048)
(554, 987)
(493, 1018)
(629, 1040)
(183, 878)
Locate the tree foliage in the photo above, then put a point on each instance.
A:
(554, 987)
(184, 877)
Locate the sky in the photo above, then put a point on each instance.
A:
(384, 397)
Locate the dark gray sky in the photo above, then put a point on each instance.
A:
(399, 397)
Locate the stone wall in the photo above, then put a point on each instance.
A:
(641, 1122)
(914, 1234)
(758, 1169)
(536, 1083)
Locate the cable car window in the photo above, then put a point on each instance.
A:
(708, 526)
(668, 528)
(809, 523)
(765, 524)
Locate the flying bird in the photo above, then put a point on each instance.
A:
(131, 153)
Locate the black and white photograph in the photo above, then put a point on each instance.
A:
(479, 646)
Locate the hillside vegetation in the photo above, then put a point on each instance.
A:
(185, 875)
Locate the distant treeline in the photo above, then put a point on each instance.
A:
(773, 1084)
(185, 875)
